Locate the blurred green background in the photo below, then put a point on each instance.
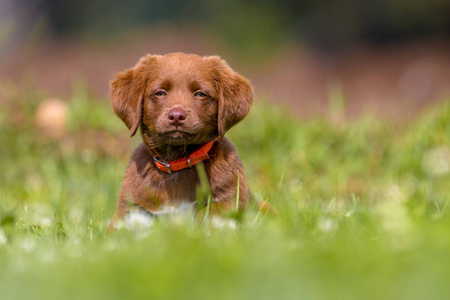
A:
(349, 138)
(389, 58)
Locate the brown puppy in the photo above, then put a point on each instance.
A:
(184, 104)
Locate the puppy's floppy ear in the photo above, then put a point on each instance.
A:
(235, 95)
(127, 93)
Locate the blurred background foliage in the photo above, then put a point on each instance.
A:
(384, 55)
(328, 23)
(245, 24)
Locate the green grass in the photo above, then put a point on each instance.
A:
(363, 211)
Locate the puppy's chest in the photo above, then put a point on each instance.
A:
(176, 187)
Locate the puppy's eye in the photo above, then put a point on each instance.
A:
(160, 94)
(200, 95)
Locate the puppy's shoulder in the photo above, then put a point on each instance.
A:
(141, 160)
(225, 151)
(223, 146)
(141, 154)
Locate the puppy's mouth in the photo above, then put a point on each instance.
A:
(178, 136)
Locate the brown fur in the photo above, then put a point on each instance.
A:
(135, 99)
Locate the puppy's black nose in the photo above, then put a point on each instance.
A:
(177, 116)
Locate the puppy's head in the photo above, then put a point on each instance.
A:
(181, 98)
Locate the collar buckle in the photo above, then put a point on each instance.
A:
(167, 165)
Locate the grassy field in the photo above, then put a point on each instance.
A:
(363, 211)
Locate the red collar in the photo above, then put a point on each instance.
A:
(185, 162)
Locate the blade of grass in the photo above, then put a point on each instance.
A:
(203, 190)
(237, 193)
(206, 217)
